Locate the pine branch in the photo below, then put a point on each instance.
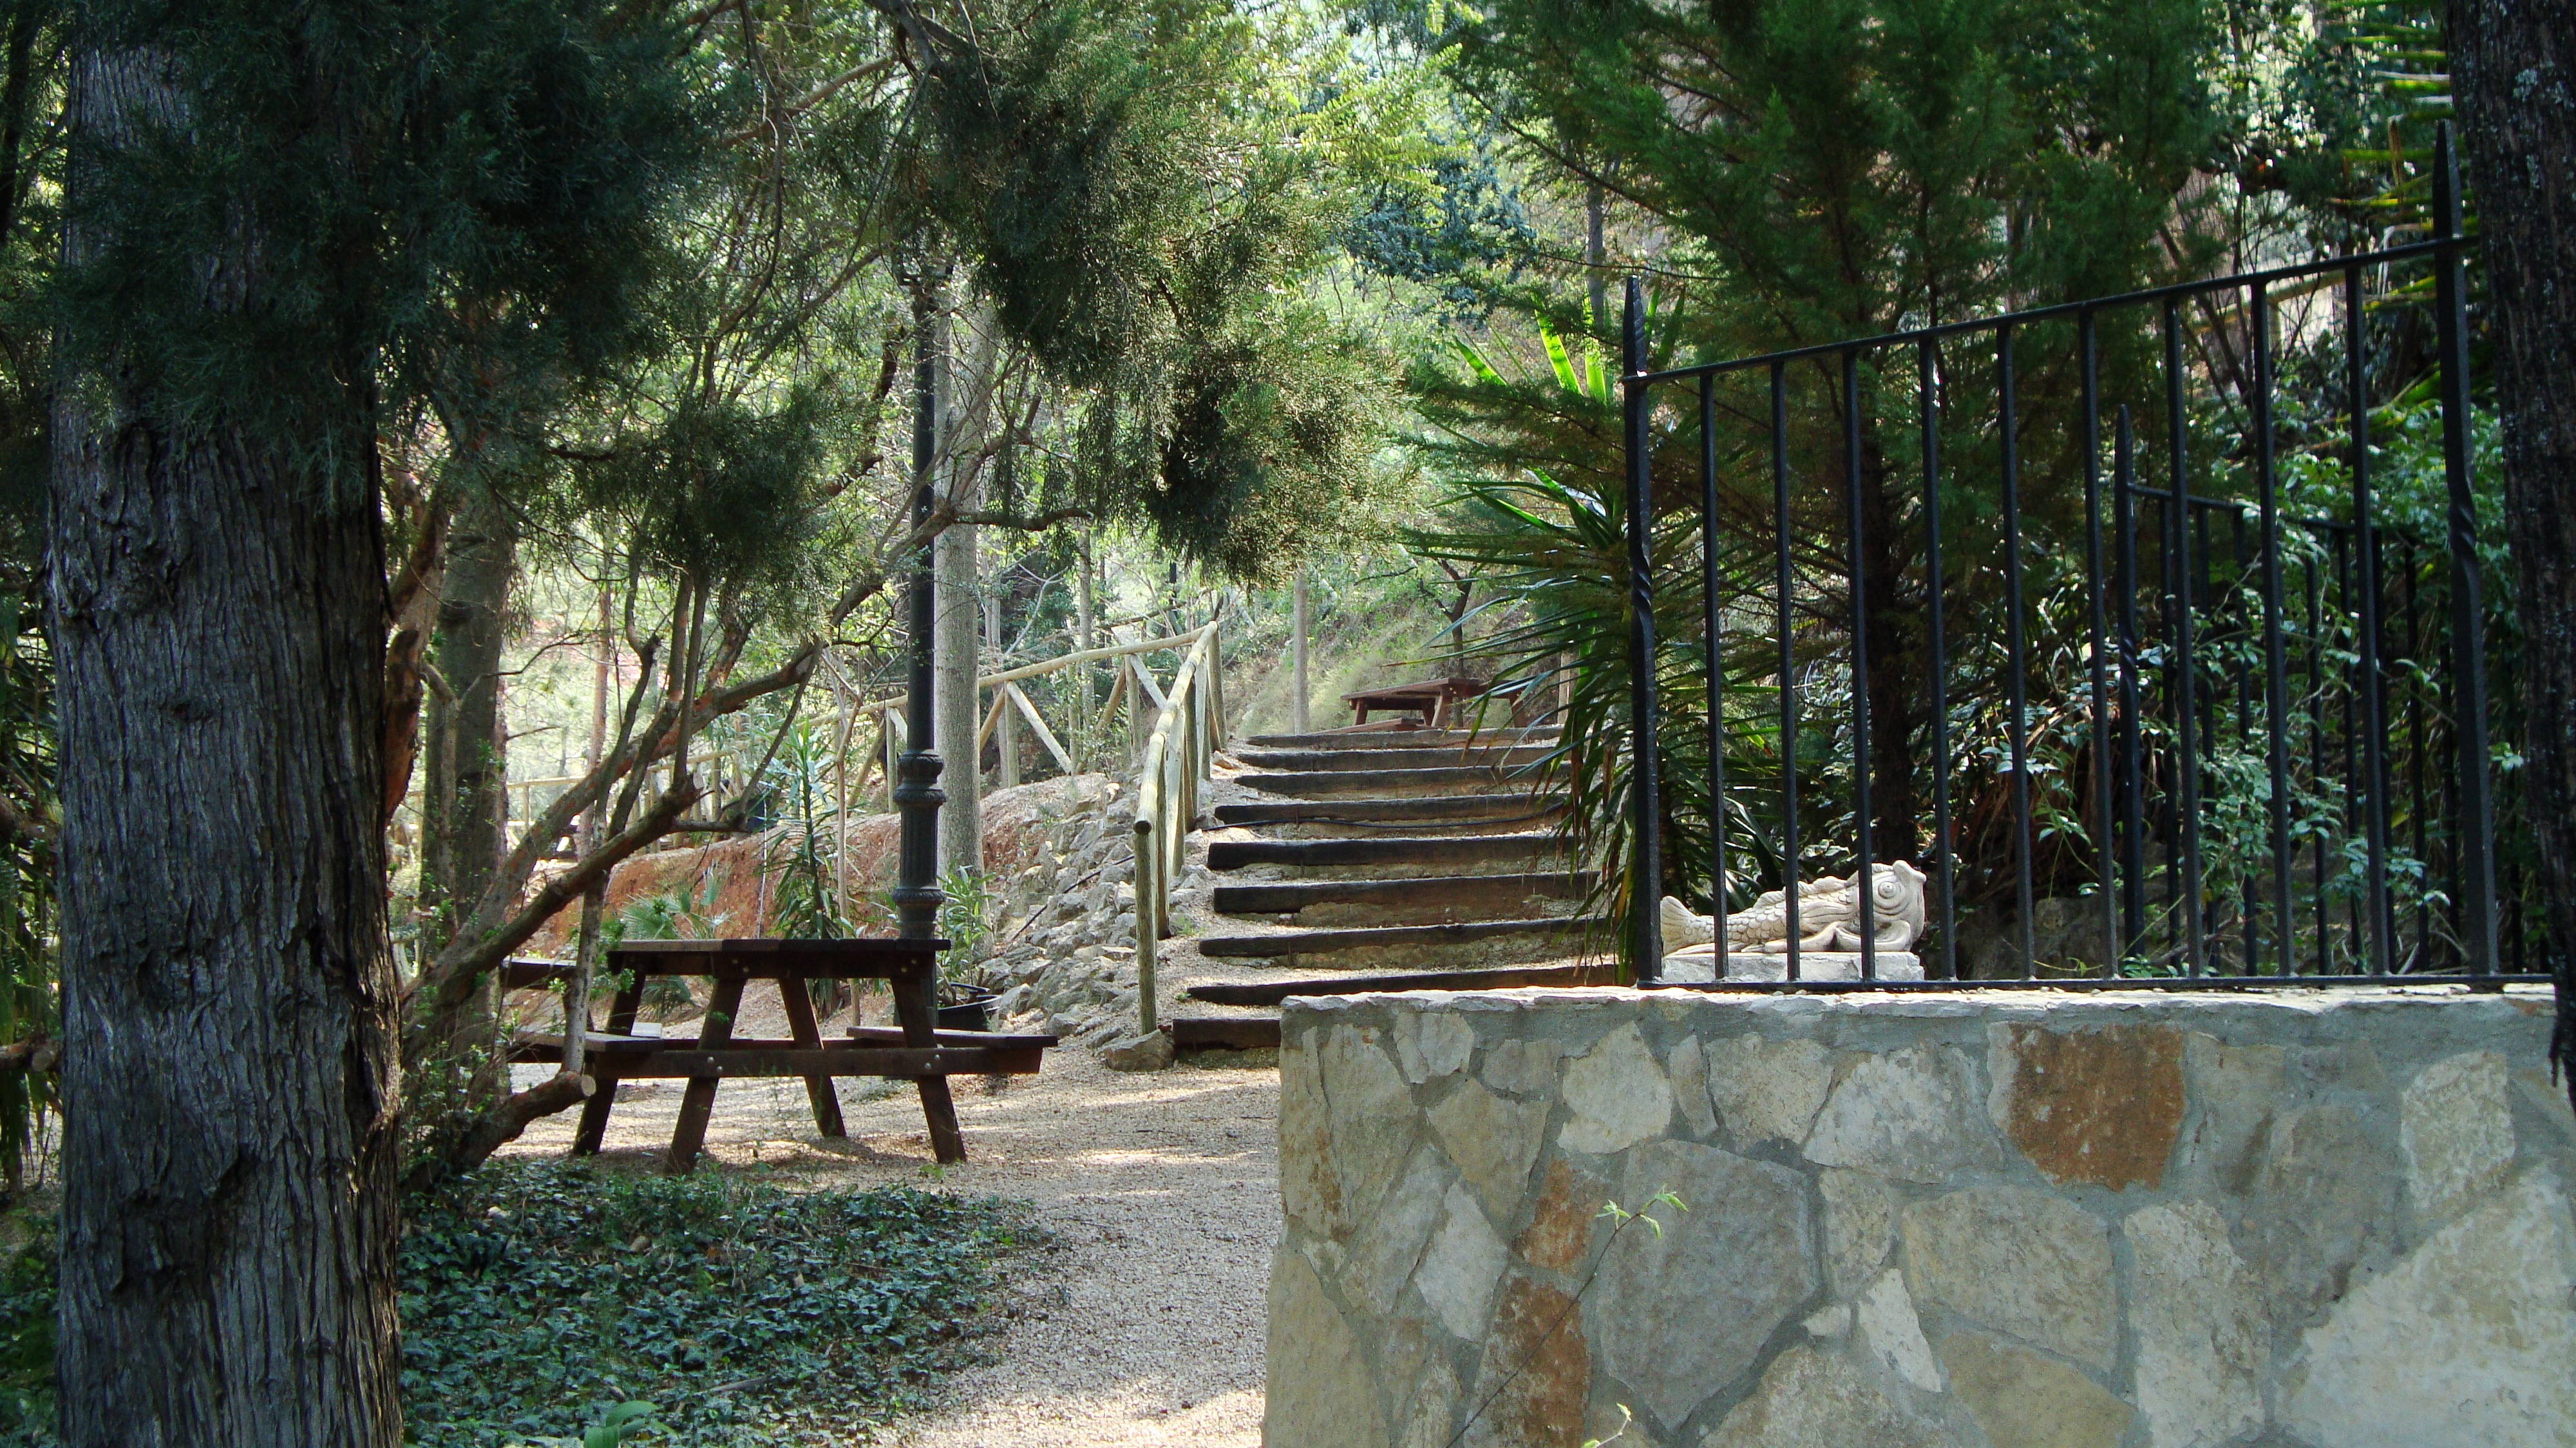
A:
(449, 980)
(808, 101)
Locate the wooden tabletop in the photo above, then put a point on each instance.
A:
(763, 958)
(1457, 686)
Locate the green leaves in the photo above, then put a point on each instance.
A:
(618, 1424)
(544, 1300)
(1148, 195)
(367, 205)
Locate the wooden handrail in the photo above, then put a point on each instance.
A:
(1168, 779)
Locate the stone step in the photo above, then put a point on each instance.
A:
(1271, 993)
(1388, 783)
(1446, 895)
(1223, 1033)
(1556, 934)
(1400, 739)
(1401, 850)
(1374, 760)
(1452, 809)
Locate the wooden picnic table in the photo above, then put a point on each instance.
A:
(1429, 698)
(914, 1050)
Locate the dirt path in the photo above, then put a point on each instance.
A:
(1164, 1192)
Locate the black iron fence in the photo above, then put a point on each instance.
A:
(2259, 745)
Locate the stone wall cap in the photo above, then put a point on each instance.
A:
(1965, 1001)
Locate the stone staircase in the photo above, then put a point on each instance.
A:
(1380, 860)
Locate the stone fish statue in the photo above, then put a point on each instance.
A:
(1828, 916)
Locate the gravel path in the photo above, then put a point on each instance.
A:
(1163, 1190)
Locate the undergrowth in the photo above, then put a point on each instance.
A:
(539, 1296)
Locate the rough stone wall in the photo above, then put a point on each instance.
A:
(1065, 947)
(1064, 951)
(2007, 1220)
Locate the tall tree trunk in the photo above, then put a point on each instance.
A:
(228, 995)
(483, 558)
(469, 734)
(1089, 731)
(956, 638)
(2515, 63)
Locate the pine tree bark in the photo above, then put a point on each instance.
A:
(2514, 62)
(956, 639)
(228, 1219)
(468, 816)
(483, 558)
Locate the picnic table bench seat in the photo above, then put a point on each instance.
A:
(913, 1050)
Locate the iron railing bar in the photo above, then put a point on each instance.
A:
(1861, 891)
(2019, 732)
(2171, 292)
(1927, 365)
(2093, 583)
(2352, 791)
(1647, 873)
(2374, 699)
(2317, 740)
(2133, 899)
(2169, 799)
(2250, 906)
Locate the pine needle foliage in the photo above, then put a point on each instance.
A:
(1808, 173)
(450, 200)
(1148, 224)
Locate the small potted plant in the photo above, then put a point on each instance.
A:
(965, 1002)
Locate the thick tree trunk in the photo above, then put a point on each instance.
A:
(483, 558)
(468, 816)
(2515, 64)
(956, 636)
(228, 996)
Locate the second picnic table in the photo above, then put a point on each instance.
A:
(913, 1050)
(1430, 698)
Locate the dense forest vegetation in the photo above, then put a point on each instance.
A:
(455, 446)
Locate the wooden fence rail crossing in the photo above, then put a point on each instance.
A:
(1132, 680)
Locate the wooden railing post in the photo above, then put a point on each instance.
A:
(1175, 760)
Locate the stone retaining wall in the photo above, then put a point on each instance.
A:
(2009, 1219)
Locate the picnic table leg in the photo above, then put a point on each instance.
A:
(594, 1112)
(700, 1102)
(809, 1033)
(914, 1006)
